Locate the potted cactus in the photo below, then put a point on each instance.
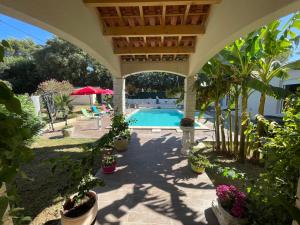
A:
(198, 162)
(109, 163)
(82, 207)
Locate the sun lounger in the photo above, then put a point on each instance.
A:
(110, 108)
(96, 111)
(105, 109)
(87, 114)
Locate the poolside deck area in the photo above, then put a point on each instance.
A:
(153, 185)
(84, 128)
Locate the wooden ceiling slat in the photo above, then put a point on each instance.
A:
(121, 3)
(154, 30)
(154, 50)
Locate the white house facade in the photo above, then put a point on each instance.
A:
(273, 107)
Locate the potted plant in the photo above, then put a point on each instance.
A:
(198, 162)
(186, 123)
(121, 141)
(109, 163)
(230, 207)
(82, 207)
(187, 126)
(67, 130)
(121, 132)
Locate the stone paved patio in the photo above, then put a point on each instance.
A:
(154, 186)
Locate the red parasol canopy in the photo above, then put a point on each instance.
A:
(108, 92)
(87, 91)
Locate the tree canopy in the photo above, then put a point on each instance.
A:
(26, 65)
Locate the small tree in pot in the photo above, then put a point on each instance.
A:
(198, 162)
(109, 163)
(82, 207)
(120, 129)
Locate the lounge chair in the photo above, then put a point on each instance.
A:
(110, 108)
(91, 116)
(105, 109)
(96, 111)
(87, 114)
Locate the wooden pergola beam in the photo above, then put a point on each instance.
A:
(154, 30)
(153, 50)
(124, 3)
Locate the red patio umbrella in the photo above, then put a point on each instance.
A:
(108, 92)
(88, 91)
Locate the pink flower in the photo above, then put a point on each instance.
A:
(238, 211)
(233, 200)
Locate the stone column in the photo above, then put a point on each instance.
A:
(189, 97)
(119, 94)
(189, 112)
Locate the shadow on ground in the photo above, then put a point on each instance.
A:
(154, 185)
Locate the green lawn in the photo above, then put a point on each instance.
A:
(41, 197)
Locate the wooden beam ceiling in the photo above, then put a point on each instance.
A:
(153, 30)
(186, 30)
(154, 50)
(124, 3)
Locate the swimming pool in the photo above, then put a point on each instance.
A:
(156, 118)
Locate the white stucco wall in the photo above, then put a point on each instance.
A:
(83, 99)
(272, 106)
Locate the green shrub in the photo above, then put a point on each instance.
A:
(14, 152)
(197, 159)
(28, 117)
(272, 195)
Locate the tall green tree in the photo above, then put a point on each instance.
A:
(61, 60)
(212, 85)
(242, 54)
(276, 43)
(27, 64)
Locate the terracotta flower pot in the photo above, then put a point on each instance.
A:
(85, 219)
(109, 169)
(197, 169)
(121, 143)
(224, 217)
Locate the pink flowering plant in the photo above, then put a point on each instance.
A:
(232, 200)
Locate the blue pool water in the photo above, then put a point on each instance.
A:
(156, 117)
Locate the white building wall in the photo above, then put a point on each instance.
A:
(83, 99)
(272, 106)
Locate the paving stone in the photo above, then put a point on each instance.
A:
(155, 187)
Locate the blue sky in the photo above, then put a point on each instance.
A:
(13, 28)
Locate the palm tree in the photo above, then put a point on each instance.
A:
(212, 85)
(277, 44)
(63, 105)
(242, 54)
